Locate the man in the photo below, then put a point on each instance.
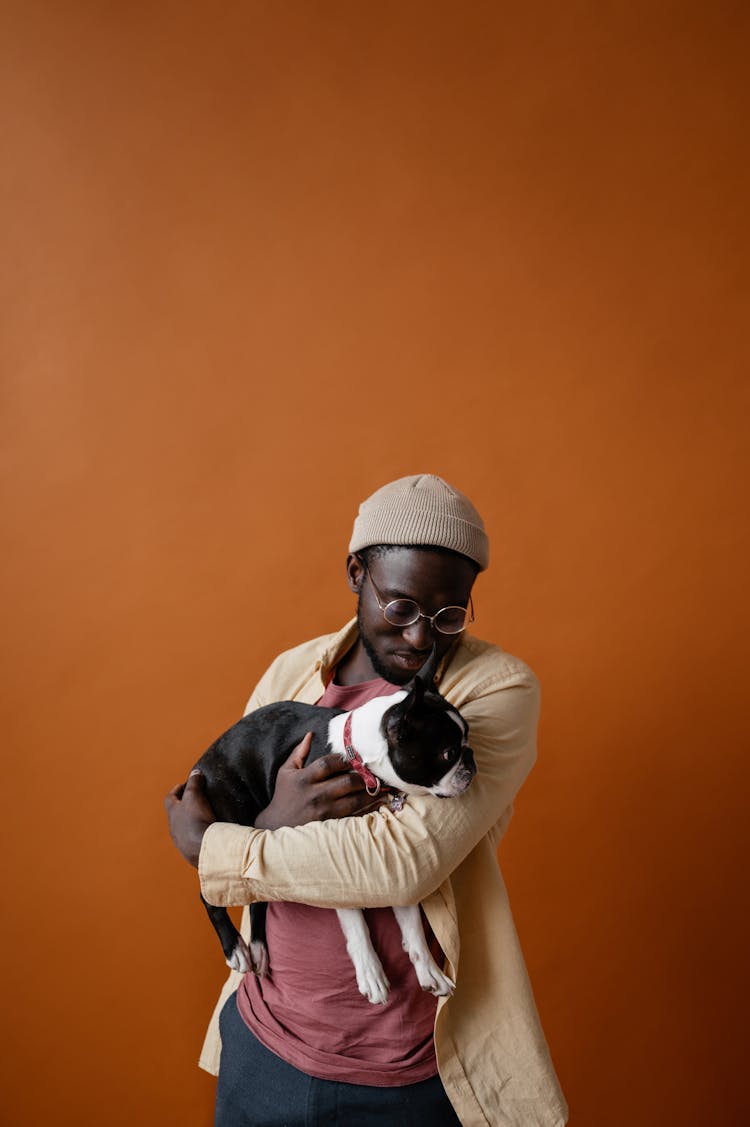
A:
(302, 1046)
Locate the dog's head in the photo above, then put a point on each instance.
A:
(414, 740)
(418, 742)
(428, 745)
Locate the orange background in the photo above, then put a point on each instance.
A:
(259, 259)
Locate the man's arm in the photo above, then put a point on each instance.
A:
(384, 858)
(324, 789)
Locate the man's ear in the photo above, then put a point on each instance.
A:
(355, 572)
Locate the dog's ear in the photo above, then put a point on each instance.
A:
(415, 697)
(426, 674)
(400, 716)
(421, 684)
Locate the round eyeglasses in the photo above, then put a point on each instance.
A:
(405, 612)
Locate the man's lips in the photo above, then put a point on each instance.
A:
(409, 659)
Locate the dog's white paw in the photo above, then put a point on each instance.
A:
(431, 978)
(428, 973)
(240, 958)
(373, 984)
(259, 956)
(371, 979)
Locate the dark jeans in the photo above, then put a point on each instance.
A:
(258, 1089)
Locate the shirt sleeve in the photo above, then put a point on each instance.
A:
(382, 859)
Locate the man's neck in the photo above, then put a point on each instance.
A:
(354, 667)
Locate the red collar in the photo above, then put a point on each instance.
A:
(372, 783)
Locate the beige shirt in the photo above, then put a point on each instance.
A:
(491, 1051)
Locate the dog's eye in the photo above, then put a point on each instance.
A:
(447, 755)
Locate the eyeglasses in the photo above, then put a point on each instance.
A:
(405, 612)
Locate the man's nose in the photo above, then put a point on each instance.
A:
(419, 634)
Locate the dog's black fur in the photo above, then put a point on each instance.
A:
(426, 740)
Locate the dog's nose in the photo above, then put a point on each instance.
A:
(460, 781)
(468, 766)
(466, 772)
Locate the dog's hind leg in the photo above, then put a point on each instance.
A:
(258, 944)
(371, 979)
(232, 944)
(414, 943)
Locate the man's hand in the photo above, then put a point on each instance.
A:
(324, 789)
(189, 815)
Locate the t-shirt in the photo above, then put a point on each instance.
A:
(309, 1010)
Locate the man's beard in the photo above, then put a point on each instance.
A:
(395, 677)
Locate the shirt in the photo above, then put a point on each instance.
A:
(492, 1055)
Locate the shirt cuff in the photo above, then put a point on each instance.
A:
(223, 859)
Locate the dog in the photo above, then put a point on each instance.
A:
(413, 742)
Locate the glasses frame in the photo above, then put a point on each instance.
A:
(468, 610)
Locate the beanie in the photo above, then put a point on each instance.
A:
(422, 510)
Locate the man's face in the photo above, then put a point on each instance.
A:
(433, 580)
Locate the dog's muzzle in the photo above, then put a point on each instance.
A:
(459, 781)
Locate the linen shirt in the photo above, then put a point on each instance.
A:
(492, 1055)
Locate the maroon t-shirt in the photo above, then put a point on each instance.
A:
(309, 1010)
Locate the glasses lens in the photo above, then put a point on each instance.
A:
(451, 620)
(401, 612)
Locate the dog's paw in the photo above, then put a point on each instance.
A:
(240, 958)
(372, 983)
(376, 990)
(259, 956)
(432, 979)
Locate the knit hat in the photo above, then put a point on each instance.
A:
(422, 510)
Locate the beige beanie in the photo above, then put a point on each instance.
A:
(422, 510)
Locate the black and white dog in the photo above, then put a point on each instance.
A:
(413, 742)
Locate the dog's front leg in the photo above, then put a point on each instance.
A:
(414, 943)
(371, 979)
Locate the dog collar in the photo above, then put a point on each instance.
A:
(372, 783)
